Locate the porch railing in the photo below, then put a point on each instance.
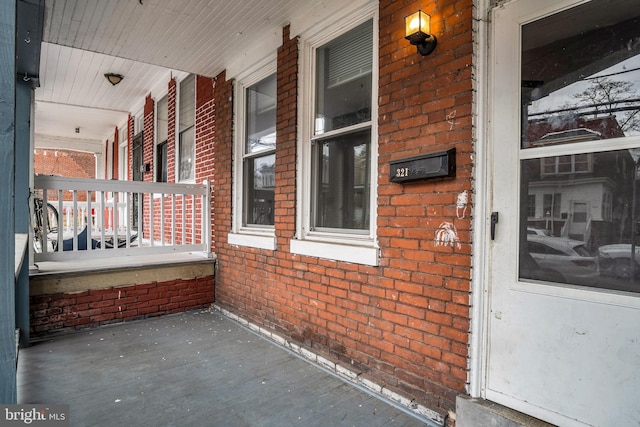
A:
(87, 218)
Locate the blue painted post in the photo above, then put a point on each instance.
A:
(8, 390)
(24, 95)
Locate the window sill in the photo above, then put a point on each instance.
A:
(366, 255)
(267, 241)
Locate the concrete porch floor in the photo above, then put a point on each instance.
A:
(192, 369)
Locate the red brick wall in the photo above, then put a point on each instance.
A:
(222, 159)
(147, 157)
(205, 134)
(68, 312)
(171, 129)
(67, 163)
(425, 104)
(404, 323)
(130, 130)
(148, 137)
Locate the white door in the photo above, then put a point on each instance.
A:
(564, 336)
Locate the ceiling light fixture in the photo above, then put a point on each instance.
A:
(114, 78)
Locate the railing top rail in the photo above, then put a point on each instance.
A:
(79, 184)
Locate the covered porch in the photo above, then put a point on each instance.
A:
(194, 368)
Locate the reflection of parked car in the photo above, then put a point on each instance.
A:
(614, 260)
(570, 259)
(538, 231)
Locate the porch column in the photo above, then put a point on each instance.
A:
(8, 391)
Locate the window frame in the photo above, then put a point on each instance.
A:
(158, 144)
(179, 133)
(123, 155)
(339, 245)
(256, 236)
(557, 164)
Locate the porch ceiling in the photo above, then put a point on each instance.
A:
(146, 41)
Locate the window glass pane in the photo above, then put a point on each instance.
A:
(564, 164)
(163, 122)
(590, 227)
(261, 115)
(581, 75)
(580, 84)
(187, 147)
(343, 76)
(260, 181)
(187, 103)
(342, 181)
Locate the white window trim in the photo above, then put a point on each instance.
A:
(176, 157)
(123, 152)
(349, 247)
(255, 237)
(155, 134)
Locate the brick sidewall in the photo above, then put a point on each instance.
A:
(60, 313)
(405, 323)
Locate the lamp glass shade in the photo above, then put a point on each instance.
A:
(417, 24)
(113, 78)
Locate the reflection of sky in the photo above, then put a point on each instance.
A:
(265, 142)
(626, 71)
(266, 161)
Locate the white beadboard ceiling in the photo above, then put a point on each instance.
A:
(146, 41)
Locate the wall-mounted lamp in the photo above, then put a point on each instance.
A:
(417, 28)
(113, 78)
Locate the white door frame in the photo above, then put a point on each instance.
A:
(478, 355)
(483, 194)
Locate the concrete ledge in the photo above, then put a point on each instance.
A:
(64, 278)
(472, 412)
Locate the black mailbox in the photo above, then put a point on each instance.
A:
(425, 166)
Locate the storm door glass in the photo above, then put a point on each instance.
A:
(580, 147)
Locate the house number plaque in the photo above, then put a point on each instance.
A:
(425, 166)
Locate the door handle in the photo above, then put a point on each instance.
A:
(494, 221)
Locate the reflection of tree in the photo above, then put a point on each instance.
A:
(605, 97)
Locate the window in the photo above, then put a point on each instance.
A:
(162, 122)
(259, 158)
(123, 157)
(161, 162)
(186, 129)
(531, 206)
(339, 146)
(579, 145)
(255, 158)
(574, 163)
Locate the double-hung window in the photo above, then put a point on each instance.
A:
(339, 147)
(186, 129)
(259, 156)
(162, 123)
(255, 159)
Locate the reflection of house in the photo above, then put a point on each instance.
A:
(265, 177)
(573, 195)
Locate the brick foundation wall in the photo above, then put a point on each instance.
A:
(66, 312)
(404, 323)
